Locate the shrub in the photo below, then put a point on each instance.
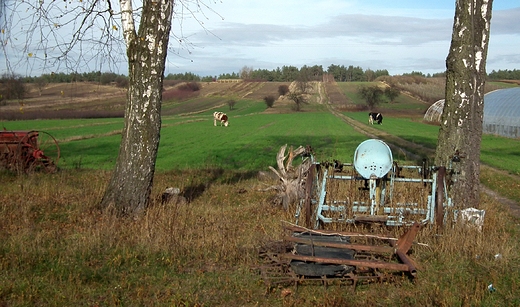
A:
(189, 86)
(283, 89)
(392, 92)
(12, 87)
(177, 94)
(298, 99)
(371, 94)
(231, 103)
(107, 78)
(121, 81)
(269, 101)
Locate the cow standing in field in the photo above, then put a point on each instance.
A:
(221, 117)
(378, 117)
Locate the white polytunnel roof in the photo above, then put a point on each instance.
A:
(501, 112)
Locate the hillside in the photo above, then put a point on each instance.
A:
(92, 100)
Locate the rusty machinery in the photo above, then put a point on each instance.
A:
(28, 151)
(372, 189)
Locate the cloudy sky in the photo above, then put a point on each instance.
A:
(400, 36)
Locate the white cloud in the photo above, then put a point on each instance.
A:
(376, 37)
(399, 36)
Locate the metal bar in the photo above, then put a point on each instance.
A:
(296, 228)
(439, 210)
(361, 263)
(408, 261)
(358, 247)
(406, 240)
(403, 245)
(308, 189)
(417, 180)
(373, 202)
(371, 218)
(321, 202)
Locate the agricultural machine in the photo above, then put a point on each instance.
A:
(374, 189)
(28, 151)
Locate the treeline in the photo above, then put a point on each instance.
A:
(504, 75)
(103, 78)
(340, 73)
(290, 73)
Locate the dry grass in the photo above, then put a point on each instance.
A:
(58, 249)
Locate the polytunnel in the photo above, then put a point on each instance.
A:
(501, 112)
(434, 112)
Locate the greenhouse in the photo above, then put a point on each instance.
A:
(501, 112)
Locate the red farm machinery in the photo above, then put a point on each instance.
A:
(28, 151)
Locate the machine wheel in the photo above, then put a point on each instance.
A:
(312, 195)
(38, 151)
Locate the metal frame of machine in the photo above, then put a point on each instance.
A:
(375, 172)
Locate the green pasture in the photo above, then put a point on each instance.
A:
(410, 129)
(350, 89)
(251, 142)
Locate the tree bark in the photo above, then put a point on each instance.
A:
(460, 133)
(128, 191)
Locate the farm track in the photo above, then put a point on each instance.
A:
(411, 150)
(417, 152)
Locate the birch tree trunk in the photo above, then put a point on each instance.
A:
(461, 123)
(129, 189)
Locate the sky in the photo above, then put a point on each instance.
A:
(400, 36)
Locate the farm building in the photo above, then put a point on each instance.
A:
(501, 112)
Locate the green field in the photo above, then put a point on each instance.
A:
(249, 143)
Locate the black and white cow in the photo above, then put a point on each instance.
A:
(378, 117)
(222, 117)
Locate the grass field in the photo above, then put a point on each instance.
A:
(251, 142)
(57, 248)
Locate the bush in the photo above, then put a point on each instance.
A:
(107, 77)
(12, 87)
(283, 89)
(269, 101)
(392, 93)
(371, 94)
(122, 81)
(189, 86)
(231, 103)
(298, 99)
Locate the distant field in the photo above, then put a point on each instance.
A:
(249, 143)
(188, 138)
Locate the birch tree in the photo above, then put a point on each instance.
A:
(58, 32)
(461, 123)
(130, 187)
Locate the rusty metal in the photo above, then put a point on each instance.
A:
(369, 262)
(357, 247)
(308, 200)
(374, 189)
(362, 263)
(28, 151)
(439, 211)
